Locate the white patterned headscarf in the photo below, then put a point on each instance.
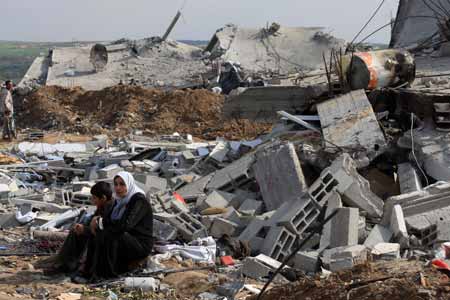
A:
(122, 202)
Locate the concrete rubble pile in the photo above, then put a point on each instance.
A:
(267, 194)
(369, 149)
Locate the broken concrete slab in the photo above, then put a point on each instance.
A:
(432, 201)
(343, 177)
(349, 121)
(344, 228)
(379, 234)
(279, 175)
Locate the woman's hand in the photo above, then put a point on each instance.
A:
(94, 223)
(78, 229)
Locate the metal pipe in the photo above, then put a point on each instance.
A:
(171, 26)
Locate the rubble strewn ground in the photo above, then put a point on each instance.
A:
(344, 194)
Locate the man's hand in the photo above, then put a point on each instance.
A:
(93, 225)
(78, 229)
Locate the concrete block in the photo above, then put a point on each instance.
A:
(188, 227)
(217, 199)
(408, 178)
(81, 199)
(398, 226)
(443, 232)
(362, 230)
(344, 258)
(232, 215)
(278, 243)
(151, 183)
(386, 251)
(334, 202)
(344, 228)
(240, 196)
(233, 176)
(251, 207)
(219, 153)
(279, 175)
(379, 234)
(307, 261)
(343, 177)
(259, 267)
(195, 189)
(163, 231)
(255, 234)
(109, 171)
(221, 227)
(297, 216)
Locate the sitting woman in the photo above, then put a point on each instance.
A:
(120, 236)
(125, 235)
(68, 258)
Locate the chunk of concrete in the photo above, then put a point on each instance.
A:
(222, 227)
(344, 258)
(217, 199)
(379, 234)
(343, 177)
(334, 202)
(307, 261)
(195, 189)
(260, 266)
(279, 175)
(163, 231)
(233, 176)
(344, 228)
(151, 183)
(297, 216)
(386, 251)
(251, 207)
(408, 178)
(109, 171)
(398, 226)
(349, 121)
(278, 243)
(255, 234)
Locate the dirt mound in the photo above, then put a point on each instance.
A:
(397, 280)
(121, 108)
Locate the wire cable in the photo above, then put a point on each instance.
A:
(367, 23)
(393, 22)
(413, 152)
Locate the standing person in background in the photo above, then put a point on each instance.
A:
(9, 127)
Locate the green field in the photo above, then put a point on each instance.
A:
(16, 58)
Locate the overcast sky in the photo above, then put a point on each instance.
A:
(67, 20)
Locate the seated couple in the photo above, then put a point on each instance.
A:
(118, 235)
